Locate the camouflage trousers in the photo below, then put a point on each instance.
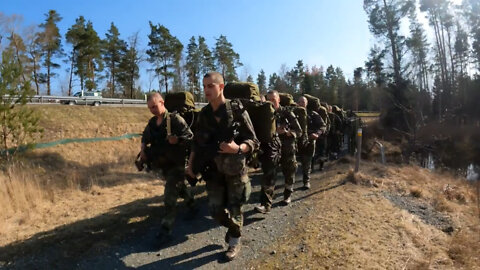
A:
(306, 155)
(288, 163)
(334, 144)
(175, 187)
(268, 181)
(226, 196)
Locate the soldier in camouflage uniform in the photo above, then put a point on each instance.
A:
(164, 145)
(228, 185)
(270, 159)
(321, 144)
(316, 127)
(334, 139)
(288, 129)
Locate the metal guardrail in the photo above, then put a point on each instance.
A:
(43, 99)
(63, 99)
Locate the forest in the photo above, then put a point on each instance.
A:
(417, 70)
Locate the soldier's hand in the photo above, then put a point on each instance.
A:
(228, 148)
(189, 171)
(313, 136)
(281, 130)
(172, 139)
(143, 155)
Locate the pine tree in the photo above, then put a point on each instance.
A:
(74, 37)
(90, 55)
(113, 49)
(418, 47)
(33, 48)
(19, 123)
(262, 82)
(227, 59)
(207, 62)
(193, 66)
(51, 42)
(129, 70)
(441, 21)
(164, 53)
(472, 10)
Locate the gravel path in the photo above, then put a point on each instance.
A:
(197, 243)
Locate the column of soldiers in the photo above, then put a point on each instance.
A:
(223, 138)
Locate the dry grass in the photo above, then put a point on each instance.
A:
(464, 247)
(58, 185)
(354, 226)
(60, 122)
(416, 192)
(20, 190)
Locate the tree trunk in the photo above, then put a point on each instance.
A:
(396, 64)
(48, 72)
(113, 78)
(71, 75)
(35, 75)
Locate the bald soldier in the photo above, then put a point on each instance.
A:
(315, 128)
(163, 147)
(288, 129)
(224, 127)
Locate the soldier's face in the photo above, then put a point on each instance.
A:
(156, 106)
(275, 99)
(212, 89)
(302, 102)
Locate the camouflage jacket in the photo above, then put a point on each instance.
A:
(155, 137)
(315, 123)
(284, 116)
(209, 133)
(335, 124)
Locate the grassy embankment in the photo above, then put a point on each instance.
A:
(48, 187)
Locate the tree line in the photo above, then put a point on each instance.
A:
(405, 76)
(421, 81)
(111, 64)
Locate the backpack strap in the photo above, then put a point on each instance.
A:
(169, 123)
(228, 105)
(234, 110)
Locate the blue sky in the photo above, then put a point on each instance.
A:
(266, 34)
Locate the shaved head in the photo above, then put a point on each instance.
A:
(302, 102)
(215, 76)
(274, 97)
(155, 104)
(154, 96)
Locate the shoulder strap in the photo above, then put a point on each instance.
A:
(228, 105)
(169, 123)
(234, 109)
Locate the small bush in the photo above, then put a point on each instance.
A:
(416, 192)
(441, 204)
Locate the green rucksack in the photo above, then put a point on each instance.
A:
(286, 99)
(244, 90)
(313, 102)
(183, 104)
(262, 115)
(179, 101)
(302, 118)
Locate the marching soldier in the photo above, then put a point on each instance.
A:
(316, 127)
(288, 129)
(224, 170)
(163, 148)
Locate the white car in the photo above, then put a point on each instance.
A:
(85, 98)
